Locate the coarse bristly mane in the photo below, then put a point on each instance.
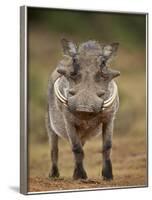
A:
(90, 46)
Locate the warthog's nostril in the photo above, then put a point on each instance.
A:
(100, 93)
(72, 91)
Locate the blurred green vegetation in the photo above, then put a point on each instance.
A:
(128, 29)
(45, 29)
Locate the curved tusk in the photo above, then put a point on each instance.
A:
(107, 103)
(58, 93)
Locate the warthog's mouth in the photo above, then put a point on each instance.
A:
(107, 103)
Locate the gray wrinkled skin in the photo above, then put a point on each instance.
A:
(86, 81)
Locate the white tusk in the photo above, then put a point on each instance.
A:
(58, 93)
(108, 102)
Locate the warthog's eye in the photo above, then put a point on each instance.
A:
(103, 62)
(76, 67)
(75, 75)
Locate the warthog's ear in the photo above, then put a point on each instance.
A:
(69, 48)
(110, 50)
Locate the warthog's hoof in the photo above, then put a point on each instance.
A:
(79, 173)
(54, 172)
(110, 178)
(107, 171)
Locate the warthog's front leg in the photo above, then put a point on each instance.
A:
(107, 145)
(53, 140)
(79, 172)
(54, 172)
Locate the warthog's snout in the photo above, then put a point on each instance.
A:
(85, 104)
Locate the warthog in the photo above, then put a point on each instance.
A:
(82, 103)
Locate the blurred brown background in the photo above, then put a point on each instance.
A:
(45, 29)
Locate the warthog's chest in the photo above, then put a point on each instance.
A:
(87, 129)
(92, 127)
(93, 122)
(87, 124)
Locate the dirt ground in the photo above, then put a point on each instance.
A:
(129, 165)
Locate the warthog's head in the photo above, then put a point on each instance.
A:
(85, 68)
